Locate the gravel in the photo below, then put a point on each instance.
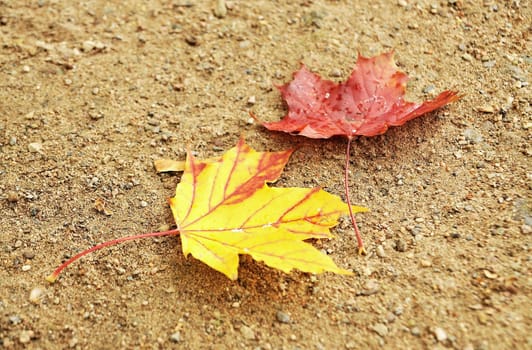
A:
(282, 317)
(380, 329)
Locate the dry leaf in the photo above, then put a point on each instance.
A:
(224, 208)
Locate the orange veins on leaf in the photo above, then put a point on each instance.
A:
(224, 208)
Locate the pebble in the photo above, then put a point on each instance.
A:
(26, 69)
(68, 81)
(282, 317)
(380, 251)
(371, 287)
(220, 10)
(26, 268)
(351, 345)
(12, 141)
(429, 89)
(15, 319)
(143, 204)
(191, 40)
(398, 311)
(18, 243)
(36, 295)
(467, 57)
(176, 337)
(73, 342)
(12, 197)
(336, 73)
(28, 254)
(247, 333)
(440, 334)
(415, 331)
(400, 246)
(472, 135)
(489, 64)
(251, 100)
(426, 263)
(486, 109)
(380, 329)
(35, 147)
(25, 336)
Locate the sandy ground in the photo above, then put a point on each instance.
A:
(91, 92)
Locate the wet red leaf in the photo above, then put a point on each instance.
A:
(370, 101)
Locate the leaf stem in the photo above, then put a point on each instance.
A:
(361, 249)
(53, 277)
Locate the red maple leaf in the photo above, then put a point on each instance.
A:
(366, 104)
(370, 101)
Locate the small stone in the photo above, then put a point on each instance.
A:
(251, 100)
(482, 318)
(486, 109)
(26, 268)
(400, 246)
(73, 342)
(25, 336)
(95, 91)
(220, 10)
(191, 40)
(440, 334)
(235, 305)
(489, 64)
(380, 251)
(490, 275)
(426, 263)
(472, 135)
(36, 295)
(244, 44)
(143, 204)
(402, 3)
(12, 197)
(467, 57)
(380, 329)
(35, 147)
(350, 345)
(26, 69)
(429, 89)
(28, 254)
(371, 287)
(282, 317)
(176, 337)
(12, 141)
(455, 235)
(18, 243)
(336, 73)
(250, 121)
(247, 332)
(15, 319)
(95, 115)
(68, 81)
(398, 311)
(415, 331)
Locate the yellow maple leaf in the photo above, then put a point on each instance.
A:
(224, 208)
